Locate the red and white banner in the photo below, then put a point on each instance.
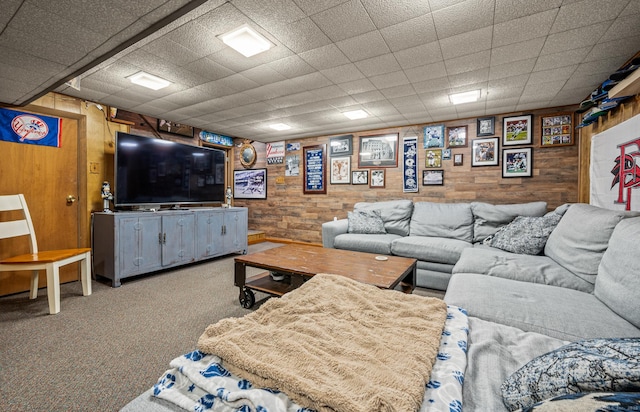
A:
(615, 167)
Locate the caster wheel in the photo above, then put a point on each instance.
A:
(247, 298)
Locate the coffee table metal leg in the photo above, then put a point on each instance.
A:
(247, 298)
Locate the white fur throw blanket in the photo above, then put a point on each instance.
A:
(335, 344)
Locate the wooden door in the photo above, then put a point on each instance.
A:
(46, 176)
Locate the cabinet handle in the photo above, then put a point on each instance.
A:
(164, 238)
(160, 238)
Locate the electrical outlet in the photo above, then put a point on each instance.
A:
(94, 168)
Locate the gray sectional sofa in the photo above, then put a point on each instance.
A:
(435, 234)
(563, 320)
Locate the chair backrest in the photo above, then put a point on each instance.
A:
(20, 227)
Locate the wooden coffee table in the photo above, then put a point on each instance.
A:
(298, 263)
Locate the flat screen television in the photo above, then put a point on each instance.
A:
(154, 172)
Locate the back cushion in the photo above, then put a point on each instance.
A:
(581, 237)
(489, 218)
(395, 214)
(449, 220)
(618, 280)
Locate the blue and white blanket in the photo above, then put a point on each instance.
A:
(198, 381)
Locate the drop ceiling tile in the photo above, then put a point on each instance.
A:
(315, 6)
(517, 51)
(566, 58)
(208, 69)
(420, 55)
(385, 63)
(352, 48)
(398, 91)
(509, 82)
(18, 39)
(468, 63)
(366, 97)
(432, 85)
(238, 82)
(311, 81)
(471, 77)
(568, 97)
(442, 114)
(171, 51)
(559, 74)
(440, 4)
(222, 19)
(344, 21)
(586, 13)
(426, 72)
(502, 106)
(434, 101)
(340, 102)
(621, 49)
(623, 26)
(507, 10)
(385, 13)
(407, 103)
(381, 108)
(197, 38)
(301, 35)
(270, 12)
(524, 28)
(389, 80)
(216, 88)
(602, 67)
(341, 74)
(462, 17)
(325, 57)
(632, 8)
(292, 66)
(411, 33)
(512, 69)
(329, 92)
(9, 8)
(574, 39)
(263, 75)
(466, 43)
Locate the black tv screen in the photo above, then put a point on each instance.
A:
(152, 171)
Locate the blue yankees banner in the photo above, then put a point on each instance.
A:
(29, 128)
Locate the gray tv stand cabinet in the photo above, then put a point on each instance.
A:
(133, 243)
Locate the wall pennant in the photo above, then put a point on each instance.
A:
(410, 162)
(29, 128)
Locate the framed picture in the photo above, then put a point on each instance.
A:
(292, 165)
(457, 136)
(341, 145)
(433, 136)
(378, 151)
(315, 169)
(446, 154)
(484, 152)
(486, 126)
(340, 170)
(377, 178)
(557, 129)
(360, 177)
(516, 130)
(457, 159)
(432, 177)
(517, 162)
(175, 128)
(433, 158)
(250, 184)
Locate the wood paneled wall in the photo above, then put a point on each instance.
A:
(289, 214)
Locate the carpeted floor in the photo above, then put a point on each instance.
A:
(103, 350)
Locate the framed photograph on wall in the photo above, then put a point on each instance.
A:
(457, 159)
(516, 130)
(360, 177)
(340, 170)
(432, 177)
(433, 158)
(315, 169)
(434, 136)
(378, 151)
(457, 136)
(517, 162)
(484, 152)
(377, 178)
(557, 129)
(341, 145)
(486, 126)
(250, 184)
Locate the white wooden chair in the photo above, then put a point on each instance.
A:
(49, 261)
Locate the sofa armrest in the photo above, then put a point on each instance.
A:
(332, 229)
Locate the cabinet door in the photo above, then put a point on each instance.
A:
(178, 239)
(236, 231)
(139, 248)
(209, 234)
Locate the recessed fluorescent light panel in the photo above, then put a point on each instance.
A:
(466, 97)
(149, 81)
(246, 41)
(280, 126)
(356, 114)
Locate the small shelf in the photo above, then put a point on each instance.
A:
(264, 283)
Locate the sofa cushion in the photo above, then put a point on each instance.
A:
(526, 268)
(395, 214)
(365, 222)
(489, 218)
(430, 249)
(594, 365)
(581, 237)
(589, 401)
(618, 280)
(378, 244)
(525, 234)
(559, 312)
(445, 220)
